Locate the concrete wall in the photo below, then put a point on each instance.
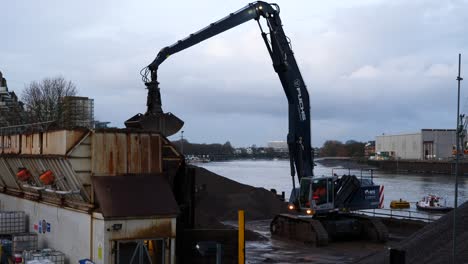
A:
(70, 231)
(80, 235)
(408, 146)
(102, 248)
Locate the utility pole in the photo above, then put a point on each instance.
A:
(459, 79)
(182, 142)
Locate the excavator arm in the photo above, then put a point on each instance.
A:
(284, 63)
(351, 192)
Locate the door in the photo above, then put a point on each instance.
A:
(140, 251)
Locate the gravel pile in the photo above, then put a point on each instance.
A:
(219, 199)
(433, 243)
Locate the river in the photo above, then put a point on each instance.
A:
(274, 174)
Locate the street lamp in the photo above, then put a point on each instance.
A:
(458, 132)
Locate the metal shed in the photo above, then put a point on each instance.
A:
(90, 166)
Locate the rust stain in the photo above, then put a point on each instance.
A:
(129, 152)
(111, 163)
(145, 155)
(160, 230)
(155, 154)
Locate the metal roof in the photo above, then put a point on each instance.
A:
(134, 196)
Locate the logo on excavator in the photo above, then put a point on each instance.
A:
(302, 114)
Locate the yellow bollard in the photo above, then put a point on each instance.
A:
(241, 238)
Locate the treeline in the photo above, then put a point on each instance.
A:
(331, 148)
(204, 149)
(335, 148)
(226, 151)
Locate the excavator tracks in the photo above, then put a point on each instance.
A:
(313, 231)
(298, 228)
(373, 228)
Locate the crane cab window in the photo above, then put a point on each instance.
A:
(319, 191)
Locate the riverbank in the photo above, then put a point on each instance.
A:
(420, 166)
(398, 166)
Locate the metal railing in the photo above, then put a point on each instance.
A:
(402, 214)
(6, 130)
(365, 173)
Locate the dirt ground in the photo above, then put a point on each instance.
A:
(274, 250)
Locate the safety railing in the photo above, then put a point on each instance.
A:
(364, 173)
(402, 214)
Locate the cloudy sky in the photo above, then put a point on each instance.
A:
(371, 67)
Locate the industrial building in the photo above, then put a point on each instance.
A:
(109, 196)
(427, 144)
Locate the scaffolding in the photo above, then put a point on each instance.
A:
(77, 112)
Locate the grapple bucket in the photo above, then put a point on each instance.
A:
(164, 123)
(155, 119)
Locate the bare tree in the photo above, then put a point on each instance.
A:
(42, 100)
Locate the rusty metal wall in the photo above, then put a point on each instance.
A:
(117, 153)
(11, 144)
(48, 143)
(61, 141)
(31, 144)
(76, 155)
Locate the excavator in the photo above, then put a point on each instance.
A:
(320, 206)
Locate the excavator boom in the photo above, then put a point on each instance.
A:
(284, 63)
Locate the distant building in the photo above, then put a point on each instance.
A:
(11, 109)
(369, 149)
(101, 124)
(77, 112)
(278, 146)
(249, 151)
(423, 145)
(261, 150)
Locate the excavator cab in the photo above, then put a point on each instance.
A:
(316, 194)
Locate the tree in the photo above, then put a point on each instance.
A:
(42, 100)
(333, 148)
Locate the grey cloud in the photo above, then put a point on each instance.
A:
(371, 67)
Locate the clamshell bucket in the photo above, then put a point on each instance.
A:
(155, 119)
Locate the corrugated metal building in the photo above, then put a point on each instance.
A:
(111, 193)
(423, 145)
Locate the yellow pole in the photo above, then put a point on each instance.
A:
(241, 237)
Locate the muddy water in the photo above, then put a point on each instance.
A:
(275, 174)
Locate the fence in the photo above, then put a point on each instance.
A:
(402, 214)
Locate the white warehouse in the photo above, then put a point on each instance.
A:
(423, 145)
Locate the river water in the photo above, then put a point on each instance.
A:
(275, 174)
